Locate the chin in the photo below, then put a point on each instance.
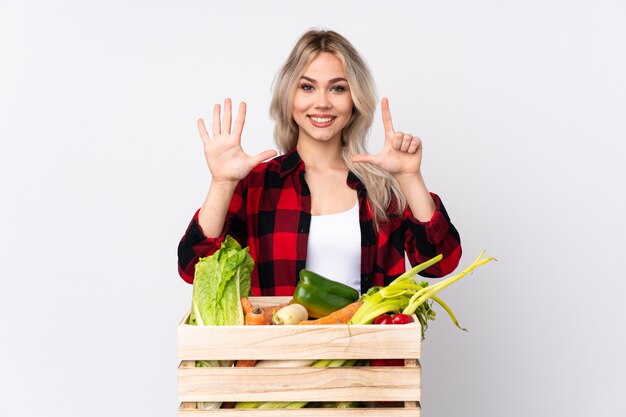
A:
(325, 137)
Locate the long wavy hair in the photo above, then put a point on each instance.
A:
(382, 189)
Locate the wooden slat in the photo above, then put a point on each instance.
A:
(412, 363)
(305, 412)
(299, 384)
(299, 342)
(268, 301)
(188, 405)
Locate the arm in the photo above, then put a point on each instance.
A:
(428, 230)
(196, 244)
(229, 165)
(212, 214)
(417, 196)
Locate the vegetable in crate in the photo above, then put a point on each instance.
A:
(406, 295)
(220, 281)
(255, 315)
(291, 314)
(341, 316)
(321, 296)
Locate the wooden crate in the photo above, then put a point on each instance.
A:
(361, 383)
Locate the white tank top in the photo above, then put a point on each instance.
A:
(334, 249)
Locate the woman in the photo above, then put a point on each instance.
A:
(325, 203)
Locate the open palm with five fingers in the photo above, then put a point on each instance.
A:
(401, 153)
(226, 159)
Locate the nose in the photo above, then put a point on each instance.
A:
(323, 101)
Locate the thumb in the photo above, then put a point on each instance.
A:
(364, 157)
(257, 159)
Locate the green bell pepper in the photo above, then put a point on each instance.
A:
(321, 296)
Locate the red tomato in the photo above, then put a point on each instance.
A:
(401, 319)
(383, 319)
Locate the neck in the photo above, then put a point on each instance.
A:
(318, 154)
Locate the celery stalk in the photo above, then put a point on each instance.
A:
(409, 296)
(277, 405)
(248, 404)
(418, 268)
(430, 291)
(386, 306)
(448, 310)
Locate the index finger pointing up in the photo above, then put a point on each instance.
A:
(387, 124)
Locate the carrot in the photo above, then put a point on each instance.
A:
(268, 312)
(245, 363)
(247, 305)
(256, 315)
(341, 316)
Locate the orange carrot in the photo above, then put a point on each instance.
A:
(341, 316)
(245, 363)
(268, 312)
(256, 315)
(247, 305)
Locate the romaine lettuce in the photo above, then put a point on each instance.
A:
(220, 281)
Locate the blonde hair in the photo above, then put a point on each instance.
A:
(382, 188)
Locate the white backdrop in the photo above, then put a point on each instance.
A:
(520, 105)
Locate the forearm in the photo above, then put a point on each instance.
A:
(215, 207)
(417, 196)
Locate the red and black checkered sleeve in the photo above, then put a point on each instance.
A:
(195, 245)
(425, 240)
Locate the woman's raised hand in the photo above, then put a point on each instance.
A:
(401, 153)
(226, 159)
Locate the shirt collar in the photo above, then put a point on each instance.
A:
(354, 182)
(290, 162)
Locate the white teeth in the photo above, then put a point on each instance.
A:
(321, 119)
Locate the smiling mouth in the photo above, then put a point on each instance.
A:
(321, 121)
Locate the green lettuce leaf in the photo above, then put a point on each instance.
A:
(220, 281)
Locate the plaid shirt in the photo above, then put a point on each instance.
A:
(270, 212)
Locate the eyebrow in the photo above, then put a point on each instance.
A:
(334, 80)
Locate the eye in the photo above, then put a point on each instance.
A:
(339, 88)
(306, 87)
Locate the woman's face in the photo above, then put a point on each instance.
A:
(322, 104)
